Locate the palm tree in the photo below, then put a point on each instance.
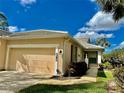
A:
(3, 22)
(103, 42)
(116, 7)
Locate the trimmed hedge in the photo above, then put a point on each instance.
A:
(76, 69)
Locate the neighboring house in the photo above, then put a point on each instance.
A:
(45, 51)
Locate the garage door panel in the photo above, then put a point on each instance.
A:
(32, 60)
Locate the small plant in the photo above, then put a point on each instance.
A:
(105, 65)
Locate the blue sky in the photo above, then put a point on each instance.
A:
(78, 17)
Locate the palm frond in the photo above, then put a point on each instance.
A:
(103, 42)
(113, 6)
(2, 15)
(118, 12)
(108, 7)
(3, 22)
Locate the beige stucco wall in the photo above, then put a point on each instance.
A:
(65, 44)
(59, 41)
(80, 54)
(2, 53)
(67, 54)
(64, 58)
(38, 41)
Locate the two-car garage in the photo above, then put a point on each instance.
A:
(33, 60)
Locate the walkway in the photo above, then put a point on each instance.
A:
(91, 74)
(88, 78)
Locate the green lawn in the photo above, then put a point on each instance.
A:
(104, 76)
(98, 87)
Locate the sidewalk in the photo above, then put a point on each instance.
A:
(91, 74)
(88, 78)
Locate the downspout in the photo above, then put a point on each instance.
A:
(56, 62)
(86, 60)
(64, 47)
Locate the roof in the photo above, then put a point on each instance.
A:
(4, 32)
(82, 39)
(91, 46)
(37, 34)
(48, 34)
(86, 45)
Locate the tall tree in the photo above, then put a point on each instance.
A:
(116, 7)
(3, 22)
(103, 42)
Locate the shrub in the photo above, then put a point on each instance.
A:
(116, 57)
(76, 69)
(105, 65)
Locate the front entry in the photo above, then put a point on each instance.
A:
(92, 58)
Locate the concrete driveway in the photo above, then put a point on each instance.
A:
(12, 81)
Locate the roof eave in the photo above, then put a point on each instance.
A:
(94, 49)
(73, 39)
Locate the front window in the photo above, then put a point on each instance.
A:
(73, 53)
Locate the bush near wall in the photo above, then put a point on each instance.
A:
(76, 69)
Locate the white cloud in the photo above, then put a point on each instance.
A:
(22, 29)
(113, 45)
(121, 45)
(92, 0)
(102, 22)
(15, 28)
(27, 2)
(93, 35)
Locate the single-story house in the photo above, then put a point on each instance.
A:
(45, 51)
